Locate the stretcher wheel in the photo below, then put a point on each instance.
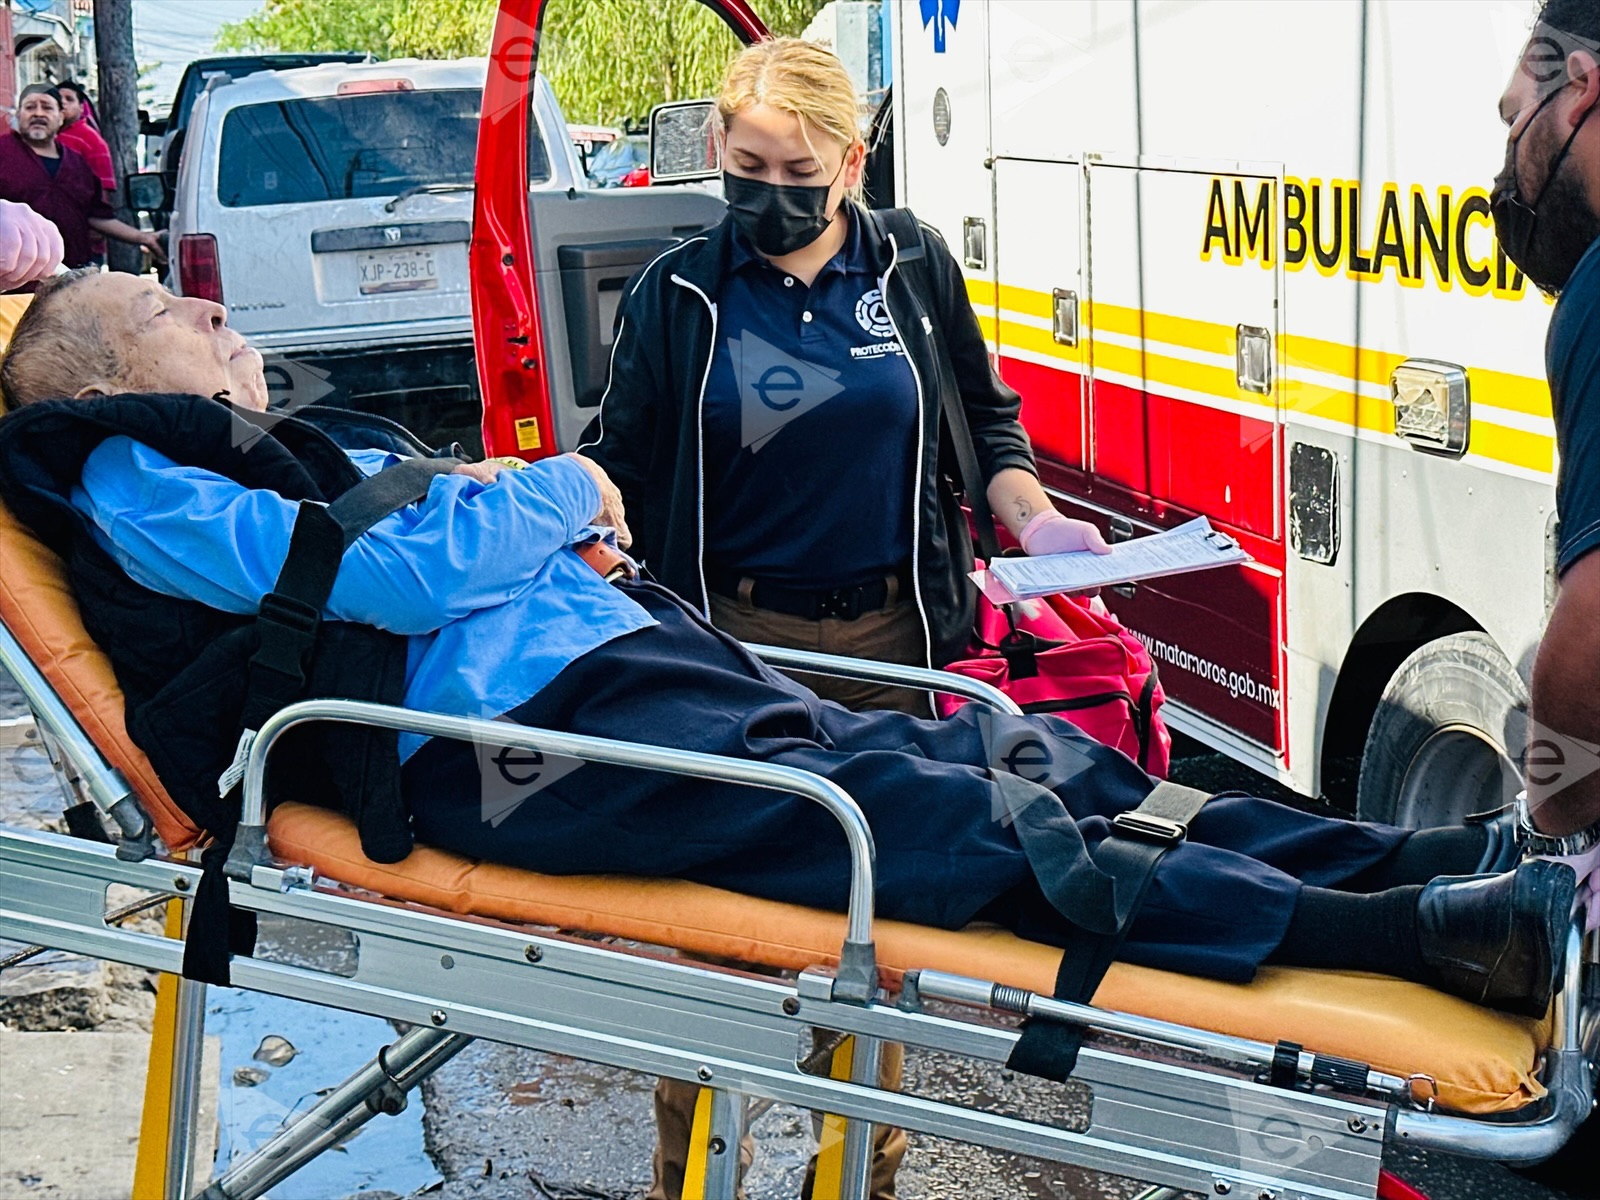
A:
(1437, 747)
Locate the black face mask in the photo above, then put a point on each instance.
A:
(778, 218)
(1547, 251)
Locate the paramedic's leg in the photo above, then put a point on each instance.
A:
(674, 1106)
(888, 1142)
(893, 634)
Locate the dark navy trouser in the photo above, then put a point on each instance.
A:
(1219, 904)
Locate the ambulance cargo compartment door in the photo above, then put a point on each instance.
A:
(1184, 419)
(1038, 308)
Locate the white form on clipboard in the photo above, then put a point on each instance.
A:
(1192, 546)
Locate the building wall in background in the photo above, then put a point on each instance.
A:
(49, 41)
(8, 66)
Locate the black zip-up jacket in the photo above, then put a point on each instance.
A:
(649, 433)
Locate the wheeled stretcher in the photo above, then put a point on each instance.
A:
(1291, 1086)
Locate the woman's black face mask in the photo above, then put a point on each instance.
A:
(1547, 236)
(778, 218)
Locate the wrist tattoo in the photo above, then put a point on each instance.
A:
(1024, 509)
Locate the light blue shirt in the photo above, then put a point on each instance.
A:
(481, 579)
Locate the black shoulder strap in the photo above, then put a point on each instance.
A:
(291, 613)
(911, 254)
(287, 624)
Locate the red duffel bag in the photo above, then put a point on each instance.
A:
(1065, 658)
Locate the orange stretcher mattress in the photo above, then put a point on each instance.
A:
(1482, 1061)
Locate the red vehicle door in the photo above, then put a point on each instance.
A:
(514, 358)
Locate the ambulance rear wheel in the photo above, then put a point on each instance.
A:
(1445, 736)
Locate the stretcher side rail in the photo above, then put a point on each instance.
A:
(103, 784)
(856, 979)
(858, 971)
(871, 671)
(857, 975)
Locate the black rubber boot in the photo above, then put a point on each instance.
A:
(1503, 850)
(1499, 940)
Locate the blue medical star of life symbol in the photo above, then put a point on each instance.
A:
(938, 12)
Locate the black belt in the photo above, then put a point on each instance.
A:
(811, 604)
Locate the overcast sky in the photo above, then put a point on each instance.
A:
(173, 32)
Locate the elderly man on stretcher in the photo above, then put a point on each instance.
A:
(136, 448)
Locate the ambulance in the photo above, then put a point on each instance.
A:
(1237, 258)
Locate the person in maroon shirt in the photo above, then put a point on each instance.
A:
(57, 183)
(78, 130)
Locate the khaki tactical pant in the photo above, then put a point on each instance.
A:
(674, 1103)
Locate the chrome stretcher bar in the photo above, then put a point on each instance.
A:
(102, 784)
(1170, 1123)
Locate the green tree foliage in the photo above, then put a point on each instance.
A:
(608, 60)
(360, 25)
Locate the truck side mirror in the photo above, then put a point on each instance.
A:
(147, 192)
(683, 142)
(151, 126)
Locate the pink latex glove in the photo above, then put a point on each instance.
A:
(1051, 533)
(30, 246)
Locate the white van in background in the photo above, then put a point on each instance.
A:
(330, 209)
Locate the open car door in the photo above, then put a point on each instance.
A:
(548, 270)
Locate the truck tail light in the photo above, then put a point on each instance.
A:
(199, 268)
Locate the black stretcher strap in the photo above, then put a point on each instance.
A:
(287, 624)
(1139, 839)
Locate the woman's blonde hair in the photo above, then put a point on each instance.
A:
(798, 77)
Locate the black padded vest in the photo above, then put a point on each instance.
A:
(181, 664)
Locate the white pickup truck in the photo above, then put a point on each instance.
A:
(330, 209)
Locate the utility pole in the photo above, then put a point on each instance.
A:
(119, 115)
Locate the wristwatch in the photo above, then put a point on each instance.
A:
(1535, 842)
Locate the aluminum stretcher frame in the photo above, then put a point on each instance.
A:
(1177, 1124)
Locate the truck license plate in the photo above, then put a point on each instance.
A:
(414, 270)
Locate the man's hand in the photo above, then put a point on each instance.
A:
(155, 243)
(30, 246)
(610, 500)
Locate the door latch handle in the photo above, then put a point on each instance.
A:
(1122, 531)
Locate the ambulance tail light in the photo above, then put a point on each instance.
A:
(199, 268)
(1432, 406)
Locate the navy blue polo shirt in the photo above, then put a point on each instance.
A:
(810, 424)
(1572, 360)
